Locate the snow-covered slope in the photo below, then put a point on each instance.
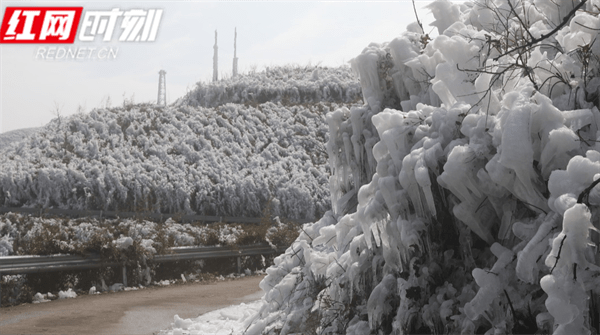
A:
(289, 85)
(461, 192)
(15, 136)
(230, 160)
(227, 159)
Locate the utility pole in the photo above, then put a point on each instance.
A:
(216, 60)
(162, 89)
(235, 59)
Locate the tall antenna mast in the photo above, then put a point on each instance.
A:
(162, 89)
(235, 59)
(216, 60)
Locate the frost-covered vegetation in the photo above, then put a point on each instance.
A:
(289, 85)
(227, 159)
(230, 160)
(31, 235)
(463, 198)
(130, 242)
(14, 136)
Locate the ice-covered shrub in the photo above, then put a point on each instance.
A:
(15, 290)
(129, 242)
(464, 203)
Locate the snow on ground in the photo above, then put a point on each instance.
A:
(229, 320)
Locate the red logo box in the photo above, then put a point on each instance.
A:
(40, 24)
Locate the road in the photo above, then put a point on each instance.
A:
(144, 311)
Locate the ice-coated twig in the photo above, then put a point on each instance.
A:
(296, 254)
(545, 36)
(585, 194)
(512, 309)
(305, 233)
(417, 17)
(558, 255)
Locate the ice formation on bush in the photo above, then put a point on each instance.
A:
(461, 199)
(129, 242)
(29, 235)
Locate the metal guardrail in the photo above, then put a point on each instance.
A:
(11, 265)
(144, 215)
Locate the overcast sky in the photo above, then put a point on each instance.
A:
(269, 33)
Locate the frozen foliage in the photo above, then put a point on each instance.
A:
(5, 245)
(461, 191)
(129, 242)
(231, 160)
(289, 85)
(29, 235)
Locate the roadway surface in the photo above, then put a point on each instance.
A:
(146, 311)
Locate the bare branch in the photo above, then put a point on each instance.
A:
(417, 17)
(586, 193)
(558, 255)
(519, 18)
(545, 36)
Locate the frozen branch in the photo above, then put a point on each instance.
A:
(586, 193)
(558, 255)
(545, 36)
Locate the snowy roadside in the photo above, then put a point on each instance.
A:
(128, 241)
(118, 287)
(144, 311)
(229, 320)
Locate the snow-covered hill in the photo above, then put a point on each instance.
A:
(289, 85)
(227, 159)
(15, 136)
(230, 160)
(462, 192)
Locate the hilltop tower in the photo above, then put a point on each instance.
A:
(235, 59)
(216, 60)
(162, 89)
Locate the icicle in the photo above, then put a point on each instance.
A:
(365, 65)
(516, 152)
(527, 269)
(464, 212)
(508, 209)
(459, 174)
(490, 283)
(422, 177)
(409, 183)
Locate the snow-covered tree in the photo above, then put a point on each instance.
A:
(464, 197)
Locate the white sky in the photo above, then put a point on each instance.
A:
(269, 33)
